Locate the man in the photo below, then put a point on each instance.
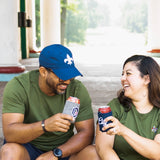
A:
(33, 123)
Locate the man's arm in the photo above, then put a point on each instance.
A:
(83, 137)
(16, 131)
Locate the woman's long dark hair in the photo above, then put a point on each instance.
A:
(147, 66)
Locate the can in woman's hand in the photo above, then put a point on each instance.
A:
(103, 112)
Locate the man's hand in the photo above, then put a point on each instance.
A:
(59, 122)
(47, 156)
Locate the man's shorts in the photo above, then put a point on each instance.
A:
(35, 152)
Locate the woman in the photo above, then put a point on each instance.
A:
(135, 127)
(135, 132)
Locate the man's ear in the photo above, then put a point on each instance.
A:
(42, 71)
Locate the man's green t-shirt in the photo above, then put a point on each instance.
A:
(23, 95)
(146, 125)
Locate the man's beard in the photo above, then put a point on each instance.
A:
(54, 87)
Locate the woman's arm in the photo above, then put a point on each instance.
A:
(144, 146)
(104, 145)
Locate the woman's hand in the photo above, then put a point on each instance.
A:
(115, 127)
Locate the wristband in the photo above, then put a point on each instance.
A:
(43, 126)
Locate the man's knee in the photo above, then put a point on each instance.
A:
(7, 149)
(90, 149)
(87, 153)
(13, 150)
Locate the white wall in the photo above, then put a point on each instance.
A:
(9, 33)
(153, 24)
(50, 22)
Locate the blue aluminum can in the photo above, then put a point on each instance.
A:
(103, 112)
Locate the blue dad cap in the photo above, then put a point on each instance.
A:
(60, 60)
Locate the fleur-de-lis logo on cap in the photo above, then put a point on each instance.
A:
(68, 59)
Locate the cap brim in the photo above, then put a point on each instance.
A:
(67, 73)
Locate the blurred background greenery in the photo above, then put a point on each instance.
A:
(79, 17)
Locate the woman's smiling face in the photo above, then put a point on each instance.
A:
(132, 81)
